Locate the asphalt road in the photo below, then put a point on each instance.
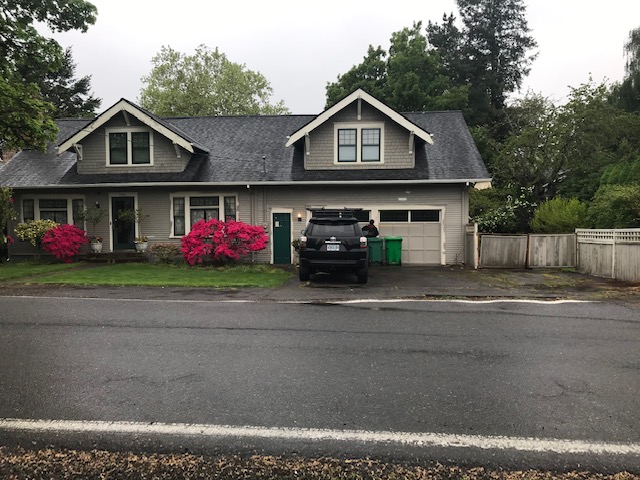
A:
(516, 370)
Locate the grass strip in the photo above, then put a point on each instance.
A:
(154, 275)
(13, 271)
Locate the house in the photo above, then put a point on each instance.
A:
(410, 172)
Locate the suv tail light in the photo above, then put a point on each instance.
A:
(303, 242)
(363, 242)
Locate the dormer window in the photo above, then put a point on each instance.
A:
(359, 143)
(132, 146)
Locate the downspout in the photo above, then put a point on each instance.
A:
(252, 216)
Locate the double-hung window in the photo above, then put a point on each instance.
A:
(347, 145)
(190, 209)
(359, 143)
(132, 146)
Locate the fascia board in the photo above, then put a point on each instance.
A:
(113, 111)
(391, 113)
(256, 184)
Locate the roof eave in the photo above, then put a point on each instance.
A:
(466, 181)
(124, 105)
(374, 102)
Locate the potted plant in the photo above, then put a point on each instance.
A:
(95, 242)
(137, 216)
(94, 215)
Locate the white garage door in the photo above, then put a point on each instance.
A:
(421, 232)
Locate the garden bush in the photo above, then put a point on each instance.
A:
(165, 252)
(221, 241)
(615, 206)
(33, 231)
(559, 215)
(64, 242)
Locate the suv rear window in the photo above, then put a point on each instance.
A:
(333, 228)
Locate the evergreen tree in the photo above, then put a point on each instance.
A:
(69, 96)
(410, 77)
(626, 94)
(25, 116)
(490, 52)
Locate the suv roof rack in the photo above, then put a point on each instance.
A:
(333, 212)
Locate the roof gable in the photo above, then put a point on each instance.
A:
(375, 103)
(162, 127)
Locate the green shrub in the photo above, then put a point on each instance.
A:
(559, 215)
(166, 252)
(33, 230)
(615, 206)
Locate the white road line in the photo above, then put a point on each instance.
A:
(398, 438)
(311, 300)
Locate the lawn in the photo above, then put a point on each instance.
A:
(12, 271)
(152, 275)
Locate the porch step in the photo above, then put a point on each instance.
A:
(124, 256)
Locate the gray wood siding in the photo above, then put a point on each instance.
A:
(255, 206)
(396, 142)
(298, 199)
(94, 151)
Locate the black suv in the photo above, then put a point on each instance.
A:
(332, 241)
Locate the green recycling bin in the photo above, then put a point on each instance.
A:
(375, 250)
(394, 250)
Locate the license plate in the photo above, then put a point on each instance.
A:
(333, 248)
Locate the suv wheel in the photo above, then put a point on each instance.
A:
(304, 273)
(363, 275)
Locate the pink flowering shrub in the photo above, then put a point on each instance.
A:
(220, 240)
(64, 242)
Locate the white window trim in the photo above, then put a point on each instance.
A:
(36, 205)
(358, 126)
(187, 208)
(128, 131)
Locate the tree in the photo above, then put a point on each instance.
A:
(534, 155)
(205, 83)
(25, 117)
(69, 96)
(490, 52)
(564, 150)
(409, 77)
(626, 94)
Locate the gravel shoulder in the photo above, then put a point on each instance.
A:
(99, 464)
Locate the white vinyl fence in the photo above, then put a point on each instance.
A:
(610, 253)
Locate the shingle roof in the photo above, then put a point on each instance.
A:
(251, 149)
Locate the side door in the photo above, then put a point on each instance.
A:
(281, 238)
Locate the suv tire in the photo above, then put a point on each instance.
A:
(304, 273)
(363, 275)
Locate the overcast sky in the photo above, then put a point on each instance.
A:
(300, 46)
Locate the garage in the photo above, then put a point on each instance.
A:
(421, 231)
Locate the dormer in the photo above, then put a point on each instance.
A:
(359, 132)
(127, 139)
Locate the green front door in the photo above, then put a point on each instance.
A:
(124, 230)
(282, 238)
